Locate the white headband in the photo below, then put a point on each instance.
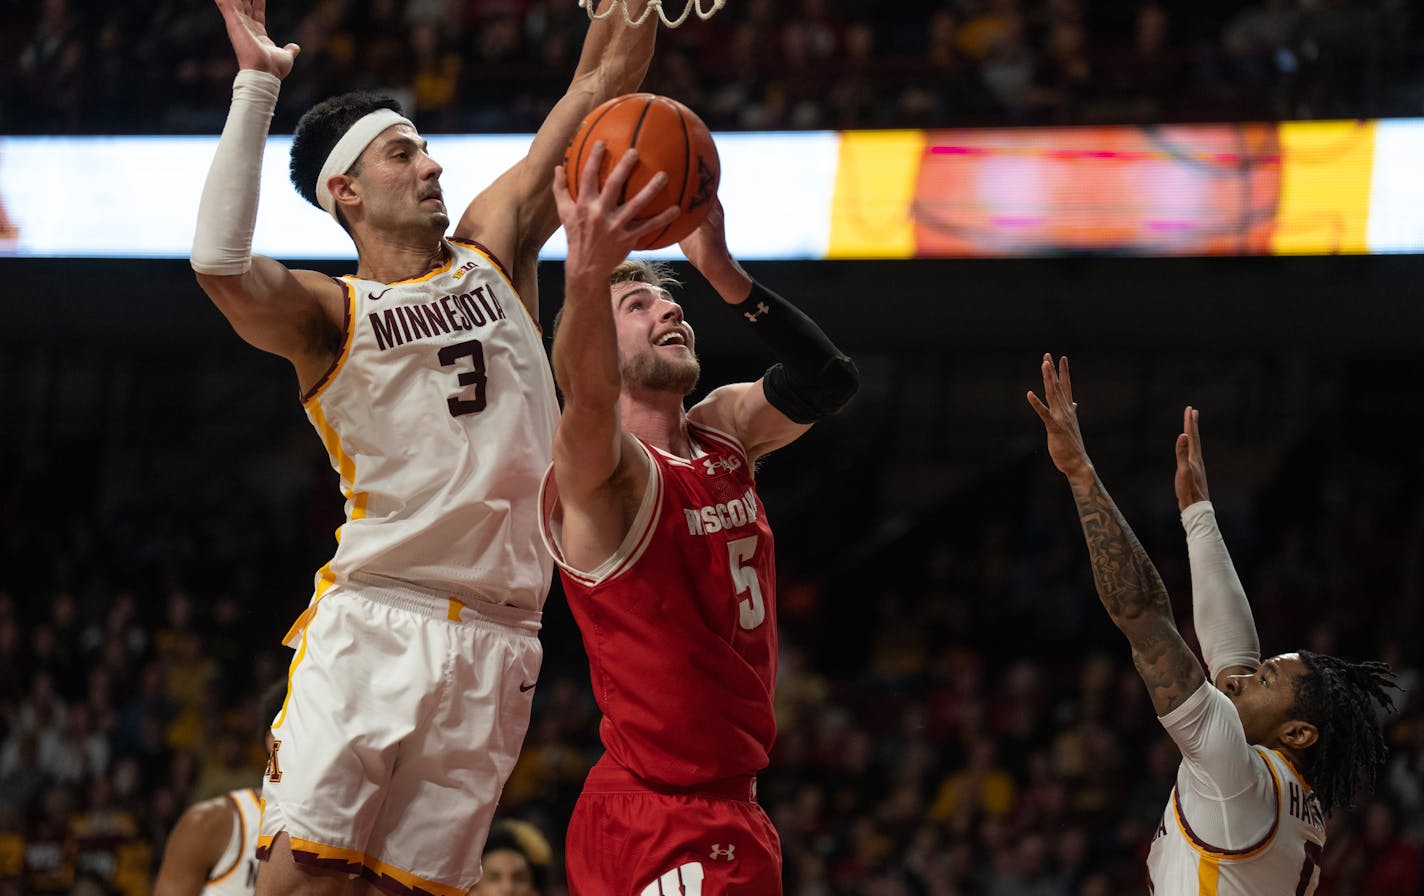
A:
(349, 148)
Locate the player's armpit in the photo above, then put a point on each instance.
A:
(600, 492)
(299, 315)
(590, 451)
(742, 410)
(492, 220)
(1167, 666)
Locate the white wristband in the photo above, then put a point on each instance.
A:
(227, 213)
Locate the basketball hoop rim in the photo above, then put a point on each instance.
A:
(653, 6)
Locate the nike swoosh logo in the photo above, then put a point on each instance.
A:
(525, 688)
(376, 296)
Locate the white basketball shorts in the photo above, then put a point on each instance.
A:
(404, 715)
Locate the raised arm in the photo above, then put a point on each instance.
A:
(811, 379)
(1128, 584)
(1221, 613)
(598, 469)
(516, 215)
(288, 313)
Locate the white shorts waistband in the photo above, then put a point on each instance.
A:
(452, 609)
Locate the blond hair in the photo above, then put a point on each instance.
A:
(653, 273)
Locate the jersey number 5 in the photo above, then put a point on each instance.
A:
(468, 400)
(751, 611)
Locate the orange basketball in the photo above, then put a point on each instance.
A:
(669, 137)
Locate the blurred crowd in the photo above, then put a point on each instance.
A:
(81, 66)
(957, 716)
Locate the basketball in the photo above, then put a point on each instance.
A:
(669, 137)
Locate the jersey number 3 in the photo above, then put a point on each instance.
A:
(751, 610)
(473, 379)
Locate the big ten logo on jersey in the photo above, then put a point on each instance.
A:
(462, 270)
(684, 880)
(714, 465)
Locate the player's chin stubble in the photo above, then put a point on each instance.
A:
(662, 374)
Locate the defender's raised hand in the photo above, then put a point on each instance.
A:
(1060, 419)
(602, 231)
(246, 22)
(1190, 480)
(706, 248)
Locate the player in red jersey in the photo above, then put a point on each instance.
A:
(665, 552)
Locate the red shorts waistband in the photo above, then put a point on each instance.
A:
(608, 776)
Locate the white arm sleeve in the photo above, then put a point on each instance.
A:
(1223, 786)
(227, 213)
(1220, 611)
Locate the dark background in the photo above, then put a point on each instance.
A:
(945, 657)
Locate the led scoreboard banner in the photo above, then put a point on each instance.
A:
(1293, 188)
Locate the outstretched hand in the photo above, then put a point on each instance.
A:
(1060, 418)
(706, 248)
(1190, 480)
(601, 231)
(246, 22)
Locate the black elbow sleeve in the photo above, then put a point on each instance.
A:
(812, 378)
(808, 400)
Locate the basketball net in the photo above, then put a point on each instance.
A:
(692, 6)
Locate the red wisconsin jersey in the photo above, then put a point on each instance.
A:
(680, 624)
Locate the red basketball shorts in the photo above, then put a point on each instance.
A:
(626, 840)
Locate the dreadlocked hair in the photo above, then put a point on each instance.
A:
(1338, 697)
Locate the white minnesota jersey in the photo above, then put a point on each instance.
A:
(1267, 808)
(439, 416)
(235, 873)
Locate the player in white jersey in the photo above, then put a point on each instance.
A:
(424, 376)
(212, 850)
(1268, 749)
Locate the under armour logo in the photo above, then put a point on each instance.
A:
(753, 316)
(722, 853)
(714, 465)
(682, 881)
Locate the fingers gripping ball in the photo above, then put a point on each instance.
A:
(669, 137)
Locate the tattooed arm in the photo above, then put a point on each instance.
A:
(1135, 598)
(1128, 584)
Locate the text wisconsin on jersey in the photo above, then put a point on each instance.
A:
(399, 324)
(713, 518)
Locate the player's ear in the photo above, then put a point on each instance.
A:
(1299, 735)
(343, 189)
